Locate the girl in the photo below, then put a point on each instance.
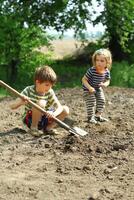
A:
(93, 82)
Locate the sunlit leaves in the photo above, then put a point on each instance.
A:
(118, 18)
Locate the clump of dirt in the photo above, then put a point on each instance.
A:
(97, 166)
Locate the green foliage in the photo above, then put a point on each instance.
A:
(69, 75)
(118, 18)
(20, 48)
(3, 93)
(23, 25)
(60, 14)
(26, 18)
(18, 38)
(122, 75)
(26, 71)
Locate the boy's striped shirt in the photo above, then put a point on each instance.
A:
(49, 97)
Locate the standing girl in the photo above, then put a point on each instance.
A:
(93, 82)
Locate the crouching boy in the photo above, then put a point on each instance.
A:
(42, 94)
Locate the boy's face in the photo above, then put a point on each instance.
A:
(44, 87)
(100, 64)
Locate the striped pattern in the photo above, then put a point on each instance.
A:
(94, 79)
(95, 102)
(49, 97)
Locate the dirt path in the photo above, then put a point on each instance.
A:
(99, 166)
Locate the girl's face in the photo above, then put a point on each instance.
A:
(42, 88)
(100, 64)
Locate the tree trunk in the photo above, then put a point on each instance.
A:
(116, 49)
(14, 70)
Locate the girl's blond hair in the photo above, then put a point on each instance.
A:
(106, 53)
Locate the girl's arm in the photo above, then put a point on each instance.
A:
(105, 83)
(87, 85)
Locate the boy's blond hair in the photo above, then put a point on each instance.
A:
(45, 73)
(106, 53)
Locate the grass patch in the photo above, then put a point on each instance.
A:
(70, 75)
(4, 93)
(122, 75)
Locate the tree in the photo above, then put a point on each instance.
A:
(60, 14)
(23, 25)
(118, 18)
(17, 38)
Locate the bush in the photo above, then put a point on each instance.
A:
(122, 74)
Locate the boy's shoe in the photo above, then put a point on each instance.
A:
(101, 119)
(35, 132)
(51, 132)
(92, 120)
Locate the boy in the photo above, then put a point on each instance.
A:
(42, 94)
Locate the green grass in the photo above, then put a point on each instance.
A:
(70, 75)
(122, 75)
(3, 93)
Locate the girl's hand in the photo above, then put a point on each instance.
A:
(102, 84)
(91, 90)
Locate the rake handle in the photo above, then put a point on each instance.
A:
(62, 124)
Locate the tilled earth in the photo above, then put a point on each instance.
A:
(99, 166)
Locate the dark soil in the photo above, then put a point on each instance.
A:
(99, 166)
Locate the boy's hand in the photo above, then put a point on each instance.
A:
(25, 99)
(49, 114)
